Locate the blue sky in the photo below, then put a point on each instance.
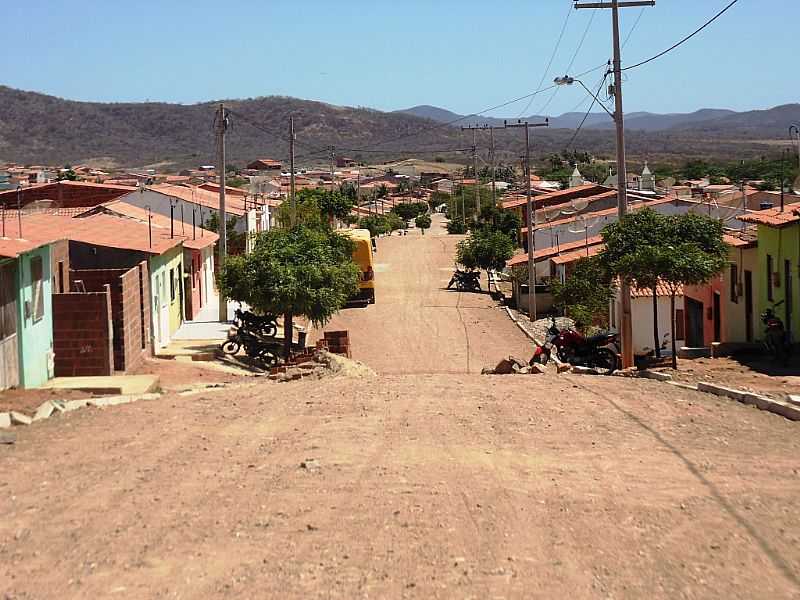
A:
(464, 56)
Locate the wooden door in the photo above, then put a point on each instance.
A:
(694, 324)
(9, 340)
(717, 317)
(748, 305)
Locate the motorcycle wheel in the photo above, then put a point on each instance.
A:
(270, 329)
(542, 358)
(605, 359)
(230, 347)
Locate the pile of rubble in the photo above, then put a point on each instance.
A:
(316, 363)
(514, 366)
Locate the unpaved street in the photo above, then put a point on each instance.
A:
(423, 482)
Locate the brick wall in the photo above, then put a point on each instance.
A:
(59, 255)
(66, 195)
(128, 303)
(82, 334)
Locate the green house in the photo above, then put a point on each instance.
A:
(26, 315)
(779, 263)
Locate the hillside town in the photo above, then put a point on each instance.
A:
(267, 347)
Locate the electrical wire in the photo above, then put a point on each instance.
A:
(586, 116)
(685, 39)
(552, 57)
(635, 23)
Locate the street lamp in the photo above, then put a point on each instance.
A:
(625, 321)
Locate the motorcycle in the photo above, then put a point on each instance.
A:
(255, 346)
(265, 325)
(776, 339)
(598, 351)
(466, 281)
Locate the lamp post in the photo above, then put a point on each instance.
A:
(625, 321)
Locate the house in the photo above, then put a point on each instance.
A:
(198, 252)
(26, 313)
(343, 162)
(777, 281)
(65, 194)
(267, 165)
(642, 317)
(442, 185)
(198, 207)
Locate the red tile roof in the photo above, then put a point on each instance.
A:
(11, 248)
(774, 217)
(559, 196)
(100, 230)
(199, 239)
(569, 257)
(741, 239)
(550, 252)
(199, 196)
(662, 289)
(598, 213)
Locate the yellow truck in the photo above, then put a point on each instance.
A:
(362, 256)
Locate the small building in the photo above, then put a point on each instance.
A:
(271, 167)
(343, 162)
(642, 317)
(576, 179)
(647, 181)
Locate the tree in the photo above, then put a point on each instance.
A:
(634, 251)
(376, 224)
(586, 293)
(502, 220)
(302, 271)
(485, 249)
(68, 175)
(235, 240)
(406, 210)
(423, 222)
(316, 205)
(696, 253)
(456, 226)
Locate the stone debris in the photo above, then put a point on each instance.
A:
(7, 437)
(44, 411)
(321, 363)
(311, 465)
(513, 366)
(5, 420)
(18, 418)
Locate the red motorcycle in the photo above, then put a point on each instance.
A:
(598, 351)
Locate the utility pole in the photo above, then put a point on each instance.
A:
(491, 158)
(331, 156)
(626, 327)
(474, 130)
(530, 213)
(222, 125)
(292, 203)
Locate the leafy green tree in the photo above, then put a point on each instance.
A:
(406, 210)
(485, 249)
(695, 254)
(423, 222)
(235, 240)
(301, 271)
(506, 221)
(439, 198)
(456, 226)
(68, 175)
(376, 224)
(586, 293)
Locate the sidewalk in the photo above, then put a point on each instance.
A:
(207, 326)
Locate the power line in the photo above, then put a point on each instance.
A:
(586, 116)
(684, 40)
(552, 57)
(635, 23)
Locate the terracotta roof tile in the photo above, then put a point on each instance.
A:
(552, 251)
(662, 289)
(774, 217)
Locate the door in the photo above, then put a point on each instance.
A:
(787, 279)
(164, 319)
(9, 352)
(694, 324)
(717, 317)
(748, 305)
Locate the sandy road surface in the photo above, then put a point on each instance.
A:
(417, 326)
(432, 485)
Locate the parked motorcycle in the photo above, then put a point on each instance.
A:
(256, 347)
(598, 351)
(265, 325)
(776, 339)
(465, 281)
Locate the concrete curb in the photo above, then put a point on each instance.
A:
(51, 407)
(784, 409)
(657, 375)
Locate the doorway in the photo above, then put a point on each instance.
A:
(787, 279)
(694, 323)
(717, 317)
(748, 305)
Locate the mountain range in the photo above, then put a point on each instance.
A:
(40, 129)
(768, 123)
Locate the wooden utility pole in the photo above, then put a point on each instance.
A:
(292, 202)
(626, 327)
(474, 130)
(331, 157)
(531, 215)
(221, 127)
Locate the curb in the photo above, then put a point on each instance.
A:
(784, 409)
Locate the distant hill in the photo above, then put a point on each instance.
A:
(36, 128)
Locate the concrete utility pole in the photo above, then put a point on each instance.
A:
(626, 328)
(221, 127)
(292, 203)
(332, 157)
(530, 214)
(490, 129)
(475, 171)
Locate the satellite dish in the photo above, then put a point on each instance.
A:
(39, 206)
(583, 223)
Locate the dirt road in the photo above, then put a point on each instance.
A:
(416, 325)
(431, 485)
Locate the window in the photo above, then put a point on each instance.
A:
(769, 277)
(37, 281)
(679, 325)
(172, 285)
(735, 283)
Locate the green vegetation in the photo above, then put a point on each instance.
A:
(764, 169)
(494, 218)
(586, 293)
(456, 226)
(380, 224)
(485, 249)
(466, 195)
(423, 222)
(410, 210)
(315, 206)
(235, 241)
(646, 247)
(303, 271)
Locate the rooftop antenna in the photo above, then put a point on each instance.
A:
(582, 224)
(19, 210)
(149, 225)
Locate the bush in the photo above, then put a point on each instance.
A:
(456, 226)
